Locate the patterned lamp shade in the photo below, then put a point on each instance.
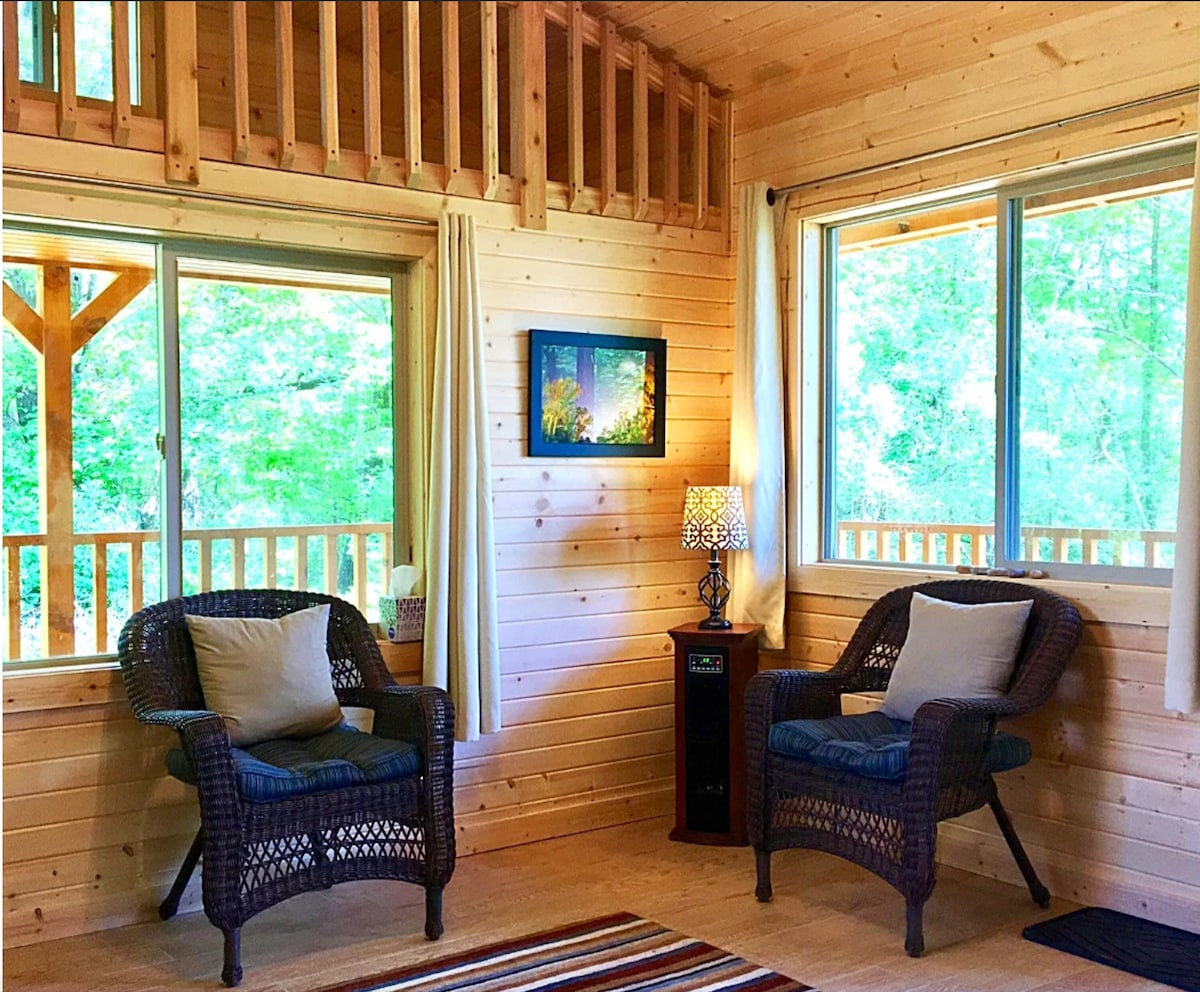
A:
(714, 518)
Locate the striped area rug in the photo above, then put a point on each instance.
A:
(620, 953)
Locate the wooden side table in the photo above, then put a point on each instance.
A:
(712, 668)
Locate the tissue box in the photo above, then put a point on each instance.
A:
(402, 619)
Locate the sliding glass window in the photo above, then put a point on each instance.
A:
(284, 428)
(1004, 377)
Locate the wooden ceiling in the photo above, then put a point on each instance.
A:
(738, 46)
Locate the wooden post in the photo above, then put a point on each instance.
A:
(239, 74)
(726, 147)
(451, 71)
(182, 125)
(641, 130)
(327, 40)
(12, 72)
(285, 83)
(66, 107)
(671, 142)
(411, 13)
(608, 115)
(121, 110)
(575, 181)
(55, 463)
(529, 105)
(700, 156)
(490, 75)
(372, 113)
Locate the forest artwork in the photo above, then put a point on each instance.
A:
(596, 394)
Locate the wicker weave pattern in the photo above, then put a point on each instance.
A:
(890, 828)
(257, 854)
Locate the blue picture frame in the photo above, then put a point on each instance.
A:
(596, 395)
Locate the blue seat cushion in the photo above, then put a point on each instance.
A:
(336, 759)
(874, 745)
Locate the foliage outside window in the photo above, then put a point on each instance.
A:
(37, 43)
(1077, 466)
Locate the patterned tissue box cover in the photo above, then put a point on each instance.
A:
(402, 619)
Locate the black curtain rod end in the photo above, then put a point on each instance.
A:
(770, 196)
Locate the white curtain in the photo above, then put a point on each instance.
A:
(1183, 637)
(462, 653)
(759, 576)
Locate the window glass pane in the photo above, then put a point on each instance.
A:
(286, 383)
(29, 40)
(1102, 323)
(913, 411)
(93, 48)
(80, 573)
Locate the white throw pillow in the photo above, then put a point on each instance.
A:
(955, 650)
(267, 678)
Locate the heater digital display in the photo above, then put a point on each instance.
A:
(702, 663)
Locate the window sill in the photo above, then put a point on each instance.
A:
(1098, 602)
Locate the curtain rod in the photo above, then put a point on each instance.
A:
(230, 198)
(773, 194)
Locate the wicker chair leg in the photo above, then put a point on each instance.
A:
(433, 911)
(914, 940)
(170, 905)
(762, 866)
(231, 973)
(1039, 892)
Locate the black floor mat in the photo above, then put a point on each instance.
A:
(1151, 950)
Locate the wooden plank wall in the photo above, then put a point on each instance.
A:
(590, 573)
(1110, 807)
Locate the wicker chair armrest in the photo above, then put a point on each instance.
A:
(949, 741)
(423, 716)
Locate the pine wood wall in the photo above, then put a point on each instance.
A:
(1110, 807)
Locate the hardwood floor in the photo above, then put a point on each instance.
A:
(831, 924)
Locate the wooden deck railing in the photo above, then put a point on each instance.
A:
(125, 564)
(973, 544)
(536, 103)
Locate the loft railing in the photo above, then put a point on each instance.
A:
(536, 103)
(973, 544)
(348, 560)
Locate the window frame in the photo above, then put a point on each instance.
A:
(168, 251)
(1009, 194)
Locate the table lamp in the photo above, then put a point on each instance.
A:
(714, 520)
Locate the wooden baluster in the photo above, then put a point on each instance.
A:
(13, 558)
(360, 571)
(490, 75)
(301, 561)
(331, 564)
(181, 128)
(372, 112)
(411, 14)
(929, 548)
(285, 84)
(978, 547)
(121, 110)
(529, 106)
(641, 130)
(327, 40)
(608, 115)
(700, 155)
(386, 547)
(135, 576)
(903, 538)
(270, 566)
(451, 72)
(239, 74)
(574, 105)
(206, 582)
(66, 112)
(239, 562)
(671, 142)
(100, 594)
(12, 70)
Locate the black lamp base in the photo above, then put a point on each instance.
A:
(715, 623)
(714, 593)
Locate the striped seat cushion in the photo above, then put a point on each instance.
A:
(874, 745)
(336, 759)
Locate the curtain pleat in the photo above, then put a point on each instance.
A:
(1183, 635)
(759, 576)
(462, 652)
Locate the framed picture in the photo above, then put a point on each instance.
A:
(596, 395)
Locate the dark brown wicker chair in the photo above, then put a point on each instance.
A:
(890, 827)
(259, 853)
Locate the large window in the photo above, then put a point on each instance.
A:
(239, 433)
(37, 44)
(1005, 377)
